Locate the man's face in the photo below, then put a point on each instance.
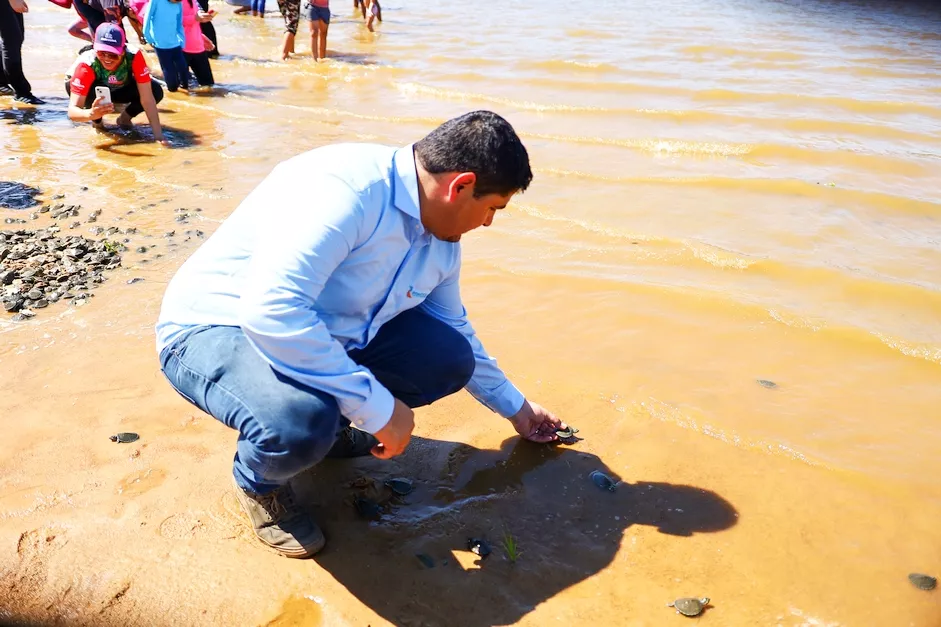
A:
(467, 213)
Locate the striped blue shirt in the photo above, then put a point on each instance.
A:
(314, 261)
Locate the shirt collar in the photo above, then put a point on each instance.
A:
(405, 182)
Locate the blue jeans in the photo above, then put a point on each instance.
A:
(175, 70)
(286, 427)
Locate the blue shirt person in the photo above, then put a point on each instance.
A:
(163, 29)
(301, 315)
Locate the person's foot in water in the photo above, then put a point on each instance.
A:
(28, 99)
(124, 121)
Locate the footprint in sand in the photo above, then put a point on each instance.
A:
(141, 481)
(185, 526)
(228, 517)
(33, 550)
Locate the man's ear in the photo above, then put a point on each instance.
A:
(460, 183)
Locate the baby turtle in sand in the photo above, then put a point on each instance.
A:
(767, 384)
(567, 435)
(368, 508)
(478, 547)
(400, 485)
(689, 606)
(603, 481)
(124, 438)
(923, 582)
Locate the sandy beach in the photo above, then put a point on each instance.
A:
(724, 193)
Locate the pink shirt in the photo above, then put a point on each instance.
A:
(321, 3)
(191, 29)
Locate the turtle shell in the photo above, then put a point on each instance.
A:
(689, 606)
(400, 485)
(568, 432)
(923, 582)
(124, 438)
(368, 508)
(603, 481)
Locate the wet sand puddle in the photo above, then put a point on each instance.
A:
(725, 193)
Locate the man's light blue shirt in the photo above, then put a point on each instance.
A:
(328, 248)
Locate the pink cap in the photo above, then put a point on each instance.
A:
(109, 38)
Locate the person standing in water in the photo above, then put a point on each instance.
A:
(12, 33)
(196, 45)
(163, 28)
(317, 14)
(291, 12)
(373, 12)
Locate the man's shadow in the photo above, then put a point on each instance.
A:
(412, 565)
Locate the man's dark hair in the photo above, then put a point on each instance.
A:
(481, 142)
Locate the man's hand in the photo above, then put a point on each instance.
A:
(19, 6)
(394, 437)
(535, 423)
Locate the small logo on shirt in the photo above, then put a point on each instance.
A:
(413, 293)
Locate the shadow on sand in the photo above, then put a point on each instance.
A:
(567, 529)
(116, 139)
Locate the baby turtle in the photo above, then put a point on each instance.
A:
(603, 481)
(767, 384)
(124, 438)
(368, 508)
(478, 547)
(689, 606)
(923, 582)
(567, 435)
(400, 485)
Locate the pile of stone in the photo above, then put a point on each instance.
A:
(42, 266)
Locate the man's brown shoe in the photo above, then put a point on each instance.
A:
(280, 522)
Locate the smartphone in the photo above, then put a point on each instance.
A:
(103, 92)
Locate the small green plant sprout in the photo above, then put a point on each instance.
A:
(113, 247)
(511, 546)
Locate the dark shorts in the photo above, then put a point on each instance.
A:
(313, 13)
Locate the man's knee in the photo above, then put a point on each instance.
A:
(463, 359)
(455, 364)
(299, 427)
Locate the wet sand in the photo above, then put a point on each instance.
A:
(679, 243)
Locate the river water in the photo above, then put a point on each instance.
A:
(725, 191)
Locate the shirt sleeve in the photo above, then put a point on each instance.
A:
(277, 309)
(82, 80)
(488, 385)
(139, 68)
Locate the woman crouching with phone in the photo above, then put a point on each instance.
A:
(118, 76)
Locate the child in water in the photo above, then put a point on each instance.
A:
(196, 45)
(163, 28)
(373, 12)
(370, 10)
(258, 8)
